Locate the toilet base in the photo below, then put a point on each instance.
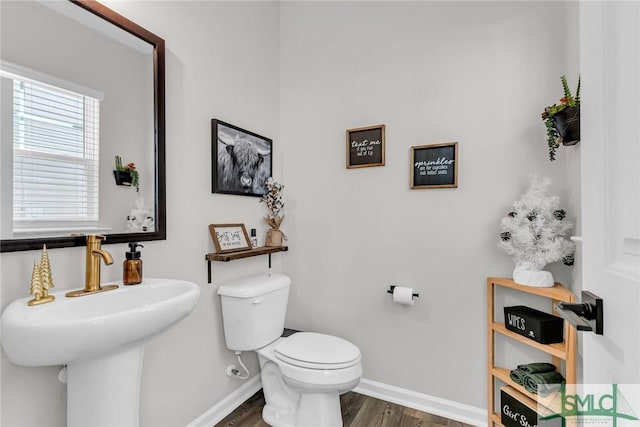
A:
(322, 409)
(288, 405)
(314, 410)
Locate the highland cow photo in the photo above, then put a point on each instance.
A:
(241, 160)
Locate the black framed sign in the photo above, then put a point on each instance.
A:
(365, 147)
(241, 160)
(434, 166)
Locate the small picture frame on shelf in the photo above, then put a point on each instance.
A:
(434, 166)
(229, 237)
(365, 147)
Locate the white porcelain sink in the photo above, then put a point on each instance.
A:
(100, 337)
(69, 329)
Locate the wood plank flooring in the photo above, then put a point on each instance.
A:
(357, 411)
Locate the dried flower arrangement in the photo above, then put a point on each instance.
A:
(275, 204)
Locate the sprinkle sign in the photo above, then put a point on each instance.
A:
(434, 166)
(365, 147)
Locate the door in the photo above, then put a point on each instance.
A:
(610, 179)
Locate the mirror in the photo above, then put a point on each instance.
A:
(115, 67)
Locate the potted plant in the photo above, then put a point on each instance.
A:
(562, 121)
(126, 175)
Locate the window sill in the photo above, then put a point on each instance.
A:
(59, 231)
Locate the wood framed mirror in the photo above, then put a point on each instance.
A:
(137, 135)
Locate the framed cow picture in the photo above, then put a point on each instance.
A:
(241, 160)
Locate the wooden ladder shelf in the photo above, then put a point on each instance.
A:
(564, 351)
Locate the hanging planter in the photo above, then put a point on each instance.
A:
(562, 121)
(567, 124)
(122, 177)
(126, 175)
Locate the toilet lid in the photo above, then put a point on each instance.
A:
(317, 351)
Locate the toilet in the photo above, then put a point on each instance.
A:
(303, 374)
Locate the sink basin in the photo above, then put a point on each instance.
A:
(69, 329)
(100, 340)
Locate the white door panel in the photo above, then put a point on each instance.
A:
(610, 159)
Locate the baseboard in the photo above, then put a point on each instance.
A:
(227, 405)
(411, 399)
(424, 402)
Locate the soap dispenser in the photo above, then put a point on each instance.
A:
(132, 266)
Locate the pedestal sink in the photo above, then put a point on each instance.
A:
(100, 338)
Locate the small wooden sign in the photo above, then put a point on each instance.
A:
(434, 166)
(365, 147)
(229, 237)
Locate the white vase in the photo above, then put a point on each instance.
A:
(526, 273)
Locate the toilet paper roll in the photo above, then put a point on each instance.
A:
(402, 295)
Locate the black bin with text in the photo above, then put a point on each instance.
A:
(517, 410)
(534, 324)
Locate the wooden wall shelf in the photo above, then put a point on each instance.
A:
(559, 352)
(230, 256)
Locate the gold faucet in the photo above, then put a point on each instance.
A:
(95, 254)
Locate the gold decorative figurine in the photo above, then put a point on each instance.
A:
(45, 271)
(41, 281)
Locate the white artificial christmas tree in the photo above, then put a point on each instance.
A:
(141, 217)
(533, 234)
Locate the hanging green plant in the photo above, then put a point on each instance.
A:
(126, 175)
(562, 121)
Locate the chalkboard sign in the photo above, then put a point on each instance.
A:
(434, 166)
(365, 147)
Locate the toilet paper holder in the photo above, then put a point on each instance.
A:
(392, 287)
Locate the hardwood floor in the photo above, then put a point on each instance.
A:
(357, 411)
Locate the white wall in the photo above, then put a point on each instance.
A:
(478, 73)
(222, 61)
(302, 73)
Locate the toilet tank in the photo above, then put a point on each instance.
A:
(253, 310)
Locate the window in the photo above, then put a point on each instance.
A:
(55, 157)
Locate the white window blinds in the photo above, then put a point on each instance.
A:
(55, 156)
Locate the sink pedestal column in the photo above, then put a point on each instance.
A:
(105, 391)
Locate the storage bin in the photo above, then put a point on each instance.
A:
(517, 410)
(534, 324)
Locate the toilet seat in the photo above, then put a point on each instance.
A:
(317, 351)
